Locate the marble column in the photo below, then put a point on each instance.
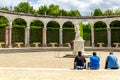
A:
(27, 36)
(60, 37)
(108, 36)
(92, 35)
(8, 37)
(44, 37)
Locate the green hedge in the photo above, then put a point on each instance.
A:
(18, 34)
(100, 36)
(2, 34)
(52, 35)
(115, 37)
(68, 35)
(35, 35)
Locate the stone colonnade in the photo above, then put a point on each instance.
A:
(8, 34)
(11, 16)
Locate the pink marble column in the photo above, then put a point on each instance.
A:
(60, 37)
(44, 37)
(108, 36)
(27, 35)
(92, 35)
(8, 37)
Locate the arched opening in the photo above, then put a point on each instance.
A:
(36, 27)
(100, 33)
(115, 30)
(18, 31)
(68, 32)
(86, 33)
(53, 33)
(3, 23)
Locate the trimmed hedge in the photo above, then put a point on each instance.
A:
(35, 34)
(18, 34)
(2, 34)
(100, 37)
(68, 35)
(115, 37)
(52, 35)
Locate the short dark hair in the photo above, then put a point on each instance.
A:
(79, 53)
(111, 53)
(94, 54)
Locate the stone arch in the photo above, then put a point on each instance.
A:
(3, 25)
(68, 32)
(36, 27)
(18, 30)
(53, 32)
(100, 33)
(115, 30)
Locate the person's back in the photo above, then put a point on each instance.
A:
(79, 61)
(112, 62)
(94, 61)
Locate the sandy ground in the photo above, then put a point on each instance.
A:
(40, 62)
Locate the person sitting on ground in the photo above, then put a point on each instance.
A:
(94, 61)
(111, 62)
(79, 61)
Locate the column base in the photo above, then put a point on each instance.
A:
(78, 46)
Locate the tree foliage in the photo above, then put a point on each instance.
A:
(43, 10)
(97, 12)
(74, 13)
(4, 8)
(24, 7)
(53, 10)
(56, 11)
(3, 21)
(100, 24)
(19, 22)
(117, 11)
(36, 23)
(86, 31)
(109, 12)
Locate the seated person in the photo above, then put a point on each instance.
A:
(79, 61)
(111, 62)
(94, 61)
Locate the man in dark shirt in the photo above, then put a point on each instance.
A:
(79, 61)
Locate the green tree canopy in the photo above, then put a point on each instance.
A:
(37, 23)
(43, 10)
(19, 21)
(3, 21)
(99, 25)
(4, 8)
(53, 10)
(74, 13)
(117, 11)
(24, 7)
(97, 12)
(108, 12)
(63, 12)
